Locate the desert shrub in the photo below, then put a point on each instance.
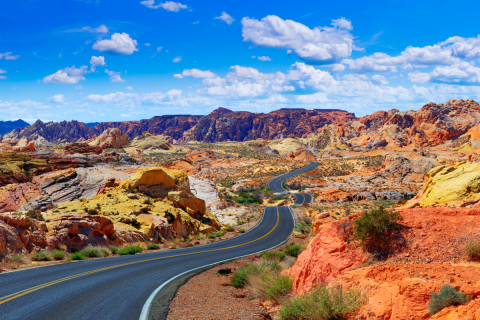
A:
(105, 252)
(447, 296)
(303, 227)
(241, 231)
(153, 246)
(17, 259)
(211, 235)
(145, 210)
(273, 255)
(322, 302)
(113, 249)
(147, 201)
(91, 252)
(129, 250)
(92, 212)
(241, 222)
(270, 285)
(58, 255)
(77, 256)
(293, 250)
(239, 278)
(34, 214)
(228, 228)
(131, 190)
(472, 249)
(42, 256)
(374, 228)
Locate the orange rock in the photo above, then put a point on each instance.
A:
(470, 311)
(319, 220)
(326, 257)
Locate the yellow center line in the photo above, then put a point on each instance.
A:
(51, 283)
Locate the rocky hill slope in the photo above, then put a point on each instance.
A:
(7, 126)
(225, 125)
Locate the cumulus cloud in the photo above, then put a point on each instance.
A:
(129, 88)
(225, 17)
(195, 73)
(338, 67)
(465, 48)
(177, 59)
(460, 73)
(264, 58)
(159, 49)
(122, 97)
(1, 72)
(320, 44)
(114, 76)
(58, 98)
(100, 29)
(97, 61)
(8, 56)
(318, 97)
(69, 75)
(168, 5)
(148, 44)
(419, 77)
(120, 43)
(379, 79)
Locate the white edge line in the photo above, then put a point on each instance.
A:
(148, 303)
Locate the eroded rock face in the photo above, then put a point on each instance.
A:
(302, 154)
(75, 147)
(110, 138)
(226, 125)
(22, 145)
(327, 256)
(449, 183)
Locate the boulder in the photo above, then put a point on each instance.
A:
(76, 147)
(157, 228)
(192, 205)
(158, 182)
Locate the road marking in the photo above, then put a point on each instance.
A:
(51, 283)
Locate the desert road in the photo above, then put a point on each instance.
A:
(300, 198)
(130, 287)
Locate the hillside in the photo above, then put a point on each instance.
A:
(7, 126)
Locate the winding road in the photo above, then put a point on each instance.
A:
(137, 286)
(300, 198)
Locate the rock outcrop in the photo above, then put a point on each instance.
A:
(225, 125)
(22, 145)
(110, 138)
(76, 147)
(449, 183)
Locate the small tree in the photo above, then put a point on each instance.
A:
(447, 296)
(375, 227)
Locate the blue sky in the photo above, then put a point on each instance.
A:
(119, 60)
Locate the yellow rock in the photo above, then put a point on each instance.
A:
(445, 184)
(158, 181)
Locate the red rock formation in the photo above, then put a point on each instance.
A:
(225, 125)
(110, 138)
(22, 145)
(302, 154)
(73, 148)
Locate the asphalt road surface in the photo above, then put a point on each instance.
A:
(121, 287)
(300, 198)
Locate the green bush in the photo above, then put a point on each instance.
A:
(129, 250)
(271, 286)
(92, 212)
(241, 231)
(472, 249)
(105, 252)
(273, 255)
(447, 296)
(42, 256)
(58, 255)
(153, 246)
(322, 303)
(34, 214)
(373, 228)
(77, 256)
(113, 249)
(239, 278)
(293, 250)
(17, 259)
(91, 252)
(228, 228)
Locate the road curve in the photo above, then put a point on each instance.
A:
(118, 287)
(300, 198)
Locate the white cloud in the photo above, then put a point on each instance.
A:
(148, 44)
(97, 61)
(419, 77)
(58, 98)
(177, 59)
(8, 56)
(69, 75)
(264, 58)
(114, 76)
(3, 77)
(168, 5)
(225, 17)
(79, 87)
(129, 88)
(337, 67)
(320, 44)
(318, 97)
(3, 71)
(465, 48)
(195, 73)
(100, 29)
(379, 79)
(159, 49)
(120, 43)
